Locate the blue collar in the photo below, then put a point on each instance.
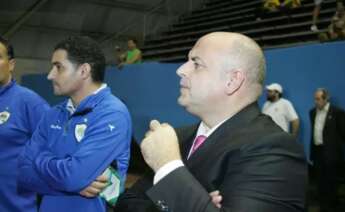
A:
(87, 104)
(8, 86)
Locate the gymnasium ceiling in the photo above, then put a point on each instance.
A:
(34, 26)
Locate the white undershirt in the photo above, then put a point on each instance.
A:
(319, 124)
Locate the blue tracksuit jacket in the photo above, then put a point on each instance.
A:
(20, 111)
(69, 151)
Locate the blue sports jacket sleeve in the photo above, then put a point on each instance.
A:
(106, 139)
(28, 177)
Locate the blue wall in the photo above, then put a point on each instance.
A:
(150, 90)
(300, 70)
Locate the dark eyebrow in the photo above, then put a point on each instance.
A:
(56, 63)
(195, 59)
(198, 60)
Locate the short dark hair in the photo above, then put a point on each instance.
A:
(325, 93)
(134, 40)
(82, 49)
(9, 47)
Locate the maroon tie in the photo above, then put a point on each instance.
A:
(197, 143)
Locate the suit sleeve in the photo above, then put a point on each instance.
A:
(134, 199)
(99, 147)
(341, 124)
(265, 177)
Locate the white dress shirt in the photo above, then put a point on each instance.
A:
(282, 112)
(319, 124)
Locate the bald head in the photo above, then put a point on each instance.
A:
(223, 74)
(239, 53)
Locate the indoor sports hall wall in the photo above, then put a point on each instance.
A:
(150, 90)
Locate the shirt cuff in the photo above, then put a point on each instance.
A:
(166, 169)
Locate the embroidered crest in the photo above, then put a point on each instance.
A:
(79, 131)
(4, 116)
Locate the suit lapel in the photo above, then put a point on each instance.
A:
(313, 115)
(312, 118)
(186, 137)
(225, 132)
(329, 117)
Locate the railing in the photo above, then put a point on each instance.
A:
(165, 6)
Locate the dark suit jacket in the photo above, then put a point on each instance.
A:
(256, 166)
(333, 135)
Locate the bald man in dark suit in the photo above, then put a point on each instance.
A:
(235, 150)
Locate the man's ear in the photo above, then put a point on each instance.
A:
(12, 64)
(85, 69)
(235, 80)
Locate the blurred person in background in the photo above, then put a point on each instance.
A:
(280, 109)
(133, 54)
(20, 112)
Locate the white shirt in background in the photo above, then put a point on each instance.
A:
(319, 124)
(282, 112)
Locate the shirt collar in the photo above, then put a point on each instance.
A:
(325, 108)
(206, 131)
(71, 108)
(104, 85)
(8, 86)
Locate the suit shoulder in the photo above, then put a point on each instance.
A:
(186, 129)
(266, 134)
(337, 109)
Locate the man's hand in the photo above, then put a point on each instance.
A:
(216, 198)
(160, 145)
(95, 187)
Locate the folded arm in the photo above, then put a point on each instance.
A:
(104, 141)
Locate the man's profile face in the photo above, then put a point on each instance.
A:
(6, 65)
(319, 100)
(64, 74)
(201, 79)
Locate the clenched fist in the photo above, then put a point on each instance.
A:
(160, 145)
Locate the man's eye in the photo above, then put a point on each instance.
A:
(196, 65)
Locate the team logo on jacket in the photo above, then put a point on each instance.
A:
(79, 131)
(4, 116)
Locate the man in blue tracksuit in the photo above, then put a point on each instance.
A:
(78, 139)
(20, 111)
